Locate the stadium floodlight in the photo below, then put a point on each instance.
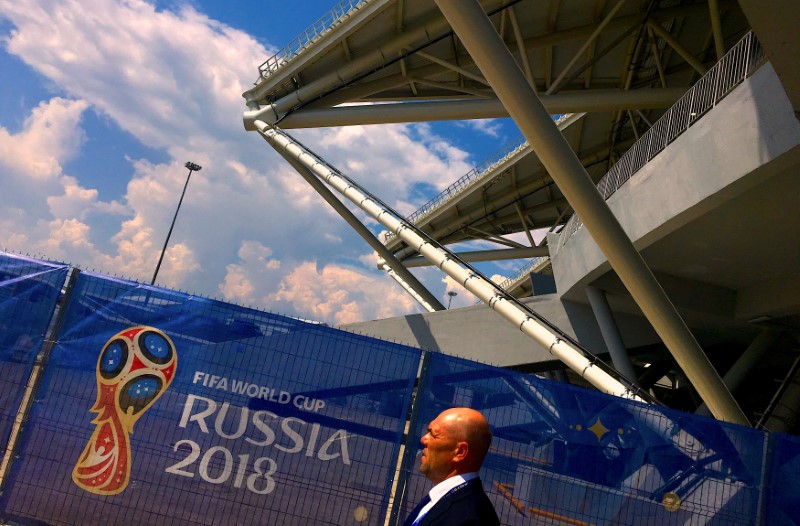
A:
(192, 168)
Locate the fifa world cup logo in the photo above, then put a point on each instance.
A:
(135, 367)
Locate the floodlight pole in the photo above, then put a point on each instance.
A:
(192, 168)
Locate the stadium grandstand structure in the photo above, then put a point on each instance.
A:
(680, 269)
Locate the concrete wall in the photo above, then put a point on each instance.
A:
(713, 161)
(726, 153)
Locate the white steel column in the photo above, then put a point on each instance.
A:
(483, 43)
(399, 273)
(560, 349)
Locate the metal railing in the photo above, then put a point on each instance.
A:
(485, 169)
(740, 62)
(329, 20)
(522, 272)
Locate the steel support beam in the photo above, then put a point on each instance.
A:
(479, 37)
(477, 285)
(679, 48)
(557, 83)
(716, 27)
(564, 102)
(745, 364)
(484, 255)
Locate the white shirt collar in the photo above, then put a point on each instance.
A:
(441, 489)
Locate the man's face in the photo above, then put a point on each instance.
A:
(439, 447)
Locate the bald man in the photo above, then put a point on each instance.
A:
(453, 450)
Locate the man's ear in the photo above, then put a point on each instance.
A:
(461, 451)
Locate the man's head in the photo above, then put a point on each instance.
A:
(456, 442)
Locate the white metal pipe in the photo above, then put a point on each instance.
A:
(399, 273)
(498, 66)
(410, 290)
(559, 348)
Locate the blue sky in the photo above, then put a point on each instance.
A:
(103, 101)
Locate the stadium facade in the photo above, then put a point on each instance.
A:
(682, 269)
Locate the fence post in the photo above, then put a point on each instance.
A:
(763, 484)
(50, 340)
(402, 477)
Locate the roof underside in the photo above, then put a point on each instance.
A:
(619, 63)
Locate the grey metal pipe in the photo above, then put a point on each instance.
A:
(564, 102)
(483, 255)
(498, 66)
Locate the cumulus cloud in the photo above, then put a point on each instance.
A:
(342, 294)
(51, 135)
(490, 127)
(249, 225)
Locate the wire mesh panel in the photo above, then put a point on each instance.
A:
(783, 498)
(566, 455)
(162, 408)
(29, 290)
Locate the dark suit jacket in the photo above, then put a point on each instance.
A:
(469, 506)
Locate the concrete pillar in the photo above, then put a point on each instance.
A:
(611, 335)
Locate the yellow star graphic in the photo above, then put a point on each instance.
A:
(598, 429)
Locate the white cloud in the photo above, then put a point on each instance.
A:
(490, 127)
(50, 136)
(342, 294)
(249, 225)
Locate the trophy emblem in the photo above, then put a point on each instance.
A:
(134, 369)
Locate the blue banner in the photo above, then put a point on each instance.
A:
(783, 484)
(29, 290)
(157, 407)
(162, 408)
(566, 455)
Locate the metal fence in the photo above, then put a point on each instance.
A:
(314, 32)
(522, 272)
(150, 406)
(740, 62)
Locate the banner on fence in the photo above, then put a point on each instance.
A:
(29, 290)
(566, 455)
(161, 408)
